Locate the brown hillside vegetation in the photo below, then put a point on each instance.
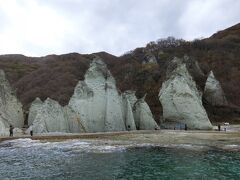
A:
(55, 76)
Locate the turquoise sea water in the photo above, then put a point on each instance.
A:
(75, 159)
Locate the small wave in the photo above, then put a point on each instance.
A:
(66, 146)
(178, 146)
(231, 147)
(25, 142)
(190, 146)
(88, 146)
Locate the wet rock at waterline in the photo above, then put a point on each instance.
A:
(181, 100)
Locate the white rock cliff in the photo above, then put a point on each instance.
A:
(142, 114)
(50, 118)
(128, 113)
(10, 108)
(74, 121)
(96, 106)
(213, 91)
(181, 100)
(35, 106)
(97, 101)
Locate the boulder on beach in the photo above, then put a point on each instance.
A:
(181, 100)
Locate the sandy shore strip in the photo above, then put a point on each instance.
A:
(158, 137)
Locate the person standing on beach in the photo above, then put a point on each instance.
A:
(11, 130)
(31, 131)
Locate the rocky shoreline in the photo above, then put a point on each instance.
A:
(228, 140)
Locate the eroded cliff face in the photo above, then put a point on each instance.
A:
(96, 106)
(50, 117)
(74, 121)
(213, 92)
(142, 114)
(102, 108)
(97, 101)
(10, 108)
(128, 113)
(4, 128)
(181, 100)
(35, 106)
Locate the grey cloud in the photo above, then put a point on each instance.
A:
(117, 26)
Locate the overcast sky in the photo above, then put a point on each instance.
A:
(41, 27)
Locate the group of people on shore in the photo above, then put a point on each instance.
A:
(224, 125)
(11, 131)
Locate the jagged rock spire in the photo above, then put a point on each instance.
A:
(213, 91)
(181, 100)
(97, 101)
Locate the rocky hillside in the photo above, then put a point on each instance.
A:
(142, 70)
